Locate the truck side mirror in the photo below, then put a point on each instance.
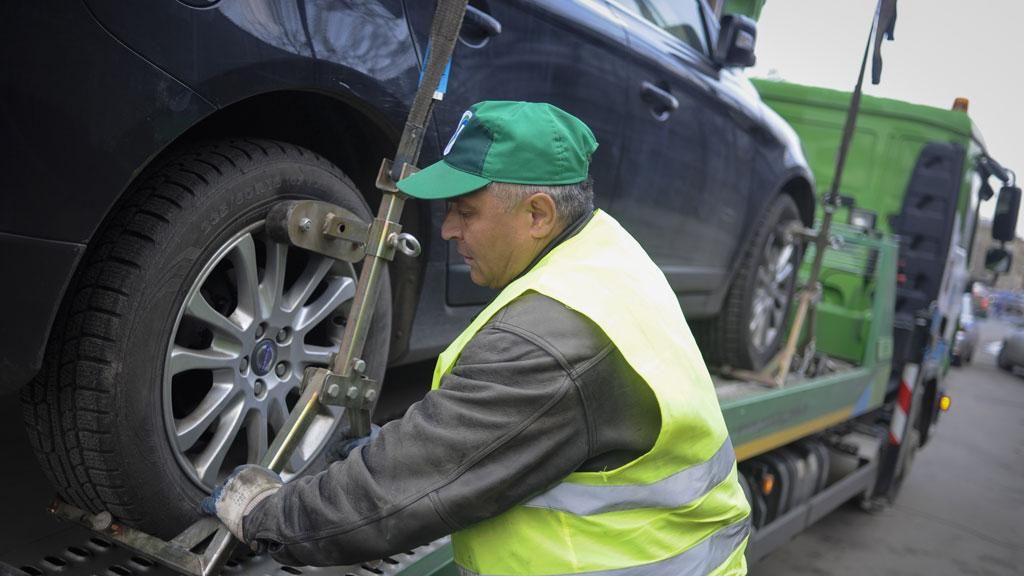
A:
(1004, 223)
(736, 39)
(998, 260)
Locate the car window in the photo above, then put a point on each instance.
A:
(680, 18)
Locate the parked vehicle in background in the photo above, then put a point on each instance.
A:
(1011, 354)
(141, 159)
(966, 338)
(1007, 305)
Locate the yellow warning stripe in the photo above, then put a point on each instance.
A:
(783, 437)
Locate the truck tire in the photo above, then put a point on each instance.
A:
(751, 326)
(1002, 361)
(181, 343)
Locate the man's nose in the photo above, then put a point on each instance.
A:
(449, 229)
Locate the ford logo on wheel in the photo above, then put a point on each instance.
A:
(263, 357)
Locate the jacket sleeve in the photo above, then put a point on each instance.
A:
(507, 423)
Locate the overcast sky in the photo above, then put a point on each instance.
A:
(943, 49)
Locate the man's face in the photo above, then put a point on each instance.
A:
(496, 242)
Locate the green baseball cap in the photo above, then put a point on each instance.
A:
(513, 142)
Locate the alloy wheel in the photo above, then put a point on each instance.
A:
(258, 314)
(774, 277)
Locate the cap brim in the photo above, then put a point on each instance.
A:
(440, 180)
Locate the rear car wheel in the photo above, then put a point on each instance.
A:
(752, 325)
(1002, 360)
(180, 348)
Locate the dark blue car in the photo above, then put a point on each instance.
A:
(158, 335)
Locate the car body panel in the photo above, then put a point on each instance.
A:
(1012, 352)
(73, 140)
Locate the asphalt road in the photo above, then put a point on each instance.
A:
(962, 507)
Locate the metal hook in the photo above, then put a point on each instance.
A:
(406, 244)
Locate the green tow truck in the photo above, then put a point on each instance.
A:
(871, 386)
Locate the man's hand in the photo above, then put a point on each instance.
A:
(246, 487)
(347, 444)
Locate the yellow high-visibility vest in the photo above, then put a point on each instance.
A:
(677, 509)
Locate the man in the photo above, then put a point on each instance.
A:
(573, 427)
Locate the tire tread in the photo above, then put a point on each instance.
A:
(67, 404)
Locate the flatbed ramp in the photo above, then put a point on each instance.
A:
(76, 552)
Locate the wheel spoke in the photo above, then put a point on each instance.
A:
(210, 461)
(777, 295)
(191, 427)
(769, 249)
(277, 413)
(199, 309)
(272, 287)
(184, 359)
(315, 271)
(256, 435)
(784, 257)
(783, 273)
(243, 256)
(341, 289)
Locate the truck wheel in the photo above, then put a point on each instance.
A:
(752, 324)
(1002, 361)
(180, 347)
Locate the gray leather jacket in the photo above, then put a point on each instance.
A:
(538, 393)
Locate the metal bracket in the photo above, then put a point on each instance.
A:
(319, 227)
(384, 180)
(179, 554)
(355, 392)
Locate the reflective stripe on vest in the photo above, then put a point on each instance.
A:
(699, 560)
(677, 509)
(675, 491)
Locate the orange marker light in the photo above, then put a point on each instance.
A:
(944, 402)
(960, 104)
(767, 484)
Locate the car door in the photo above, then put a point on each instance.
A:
(570, 53)
(680, 192)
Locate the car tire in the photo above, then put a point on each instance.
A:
(1002, 361)
(747, 333)
(176, 330)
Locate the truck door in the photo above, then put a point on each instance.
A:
(570, 53)
(678, 191)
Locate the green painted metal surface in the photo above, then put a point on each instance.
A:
(889, 138)
(751, 8)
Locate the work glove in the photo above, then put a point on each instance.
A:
(239, 494)
(341, 449)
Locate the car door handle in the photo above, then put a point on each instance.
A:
(663, 102)
(483, 22)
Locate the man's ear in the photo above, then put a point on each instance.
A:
(544, 217)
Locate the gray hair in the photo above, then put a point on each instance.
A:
(571, 200)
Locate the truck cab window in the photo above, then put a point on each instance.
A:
(680, 18)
